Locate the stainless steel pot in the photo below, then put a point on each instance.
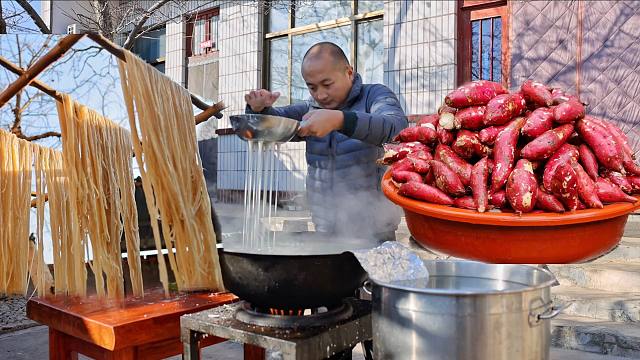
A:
(467, 310)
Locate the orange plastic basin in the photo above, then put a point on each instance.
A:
(541, 238)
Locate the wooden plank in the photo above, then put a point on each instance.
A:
(117, 324)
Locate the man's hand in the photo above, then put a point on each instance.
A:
(320, 123)
(258, 100)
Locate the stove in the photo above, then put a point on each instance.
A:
(311, 334)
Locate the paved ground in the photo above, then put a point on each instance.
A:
(13, 314)
(33, 344)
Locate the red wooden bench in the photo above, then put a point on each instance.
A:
(133, 328)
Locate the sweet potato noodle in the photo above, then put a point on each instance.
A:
(164, 141)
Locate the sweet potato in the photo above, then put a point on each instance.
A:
(430, 179)
(548, 143)
(400, 176)
(489, 134)
(468, 145)
(575, 139)
(536, 93)
(623, 145)
(564, 184)
(398, 151)
(588, 161)
(558, 97)
(522, 187)
(446, 109)
(601, 142)
(446, 179)
(479, 180)
(465, 202)
(538, 122)
(402, 165)
(457, 164)
(587, 188)
(504, 153)
(566, 154)
(425, 134)
(425, 192)
(503, 108)
(474, 93)
(428, 119)
(548, 202)
(617, 179)
(498, 199)
(419, 162)
(445, 136)
(610, 193)
(470, 118)
(568, 112)
(634, 181)
(448, 121)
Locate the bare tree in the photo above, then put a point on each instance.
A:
(86, 72)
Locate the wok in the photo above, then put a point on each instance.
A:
(278, 278)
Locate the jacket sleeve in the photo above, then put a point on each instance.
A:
(384, 121)
(295, 111)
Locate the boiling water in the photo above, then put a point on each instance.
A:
(260, 194)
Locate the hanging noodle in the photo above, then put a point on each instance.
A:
(95, 153)
(68, 250)
(39, 272)
(172, 176)
(15, 204)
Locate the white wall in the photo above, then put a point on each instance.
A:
(58, 14)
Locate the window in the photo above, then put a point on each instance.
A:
(202, 33)
(355, 26)
(483, 49)
(151, 47)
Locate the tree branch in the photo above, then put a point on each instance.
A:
(40, 136)
(128, 44)
(34, 16)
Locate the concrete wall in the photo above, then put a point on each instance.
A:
(544, 45)
(419, 52)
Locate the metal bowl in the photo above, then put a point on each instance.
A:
(267, 128)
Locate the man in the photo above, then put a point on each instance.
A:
(344, 125)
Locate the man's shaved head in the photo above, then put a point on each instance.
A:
(326, 50)
(328, 75)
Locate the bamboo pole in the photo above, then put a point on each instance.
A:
(38, 67)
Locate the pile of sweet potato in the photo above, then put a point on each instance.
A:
(530, 151)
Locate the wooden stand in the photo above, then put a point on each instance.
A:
(133, 328)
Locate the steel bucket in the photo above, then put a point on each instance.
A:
(467, 310)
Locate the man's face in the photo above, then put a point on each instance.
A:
(329, 83)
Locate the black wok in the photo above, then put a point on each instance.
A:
(291, 281)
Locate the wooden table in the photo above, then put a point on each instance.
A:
(133, 328)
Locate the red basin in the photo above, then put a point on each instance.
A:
(542, 238)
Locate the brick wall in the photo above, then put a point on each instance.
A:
(544, 46)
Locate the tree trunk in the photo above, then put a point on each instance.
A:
(3, 24)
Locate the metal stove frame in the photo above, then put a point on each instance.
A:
(293, 344)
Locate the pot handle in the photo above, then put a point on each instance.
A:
(367, 287)
(548, 313)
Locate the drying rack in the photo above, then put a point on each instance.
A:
(29, 76)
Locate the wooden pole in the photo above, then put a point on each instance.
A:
(35, 83)
(38, 67)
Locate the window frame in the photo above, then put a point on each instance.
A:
(352, 20)
(191, 20)
(470, 10)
